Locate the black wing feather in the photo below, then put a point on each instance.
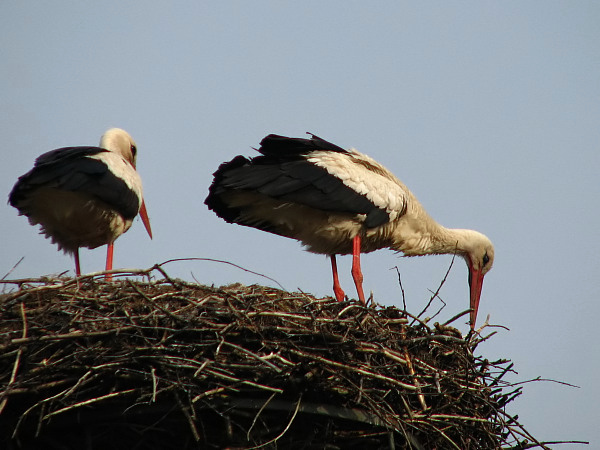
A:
(283, 146)
(69, 169)
(282, 172)
(66, 153)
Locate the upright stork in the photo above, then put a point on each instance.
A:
(84, 196)
(338, 202)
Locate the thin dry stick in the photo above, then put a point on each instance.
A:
(156, 305)
(258, 414)
(189, 418)
(221, 262)
(523, 446)
(284, 430)
(210, 393)
(401, 288)
(355, 369)
(456, 317)
(253, 355)
(411, 370)
(73, 335)
(435, 294)
(88, 402)
(13, 375)
(154, 385)
(13, 268)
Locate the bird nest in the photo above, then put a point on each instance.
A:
(158, 364)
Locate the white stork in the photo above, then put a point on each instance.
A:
(338, 201)
(84, 196)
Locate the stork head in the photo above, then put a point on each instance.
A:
(119, 141)
(478, 252)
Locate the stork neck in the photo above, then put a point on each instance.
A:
(427, 237)
(449, 240)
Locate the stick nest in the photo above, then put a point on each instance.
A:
(170, 364)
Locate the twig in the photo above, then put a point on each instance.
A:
(413, 374)
(435, 294)
(253, 355)
(13, 375)
(355, 369)
(189, 418)
(258, 414)
(401, 288)
(284, 430)
(73, 335)
(156, 305)
(456, 317)
(88, 402)
(222, 262)
(544, 379)
(544, 444)
(12, 269)
(154, 385)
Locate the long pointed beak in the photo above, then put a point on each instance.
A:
(145, 219)
(475, 283)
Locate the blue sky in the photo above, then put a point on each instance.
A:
(488, 111)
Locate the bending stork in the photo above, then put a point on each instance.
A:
(338, 202)
(84, 196)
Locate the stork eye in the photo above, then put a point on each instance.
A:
(133, 150)
(486, 259)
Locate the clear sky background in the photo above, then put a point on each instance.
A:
(488, 111)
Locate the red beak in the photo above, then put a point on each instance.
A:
(475, 284)
(145, 219)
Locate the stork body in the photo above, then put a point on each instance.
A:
(338, 202)
(84, 196)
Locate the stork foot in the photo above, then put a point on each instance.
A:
(340, 295)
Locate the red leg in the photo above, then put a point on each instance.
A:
(356, 272)
(77, 266)
(337, 289)
(109, 260)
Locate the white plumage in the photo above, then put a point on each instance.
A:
(84, 196)
(365, 176)
(338, 201)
